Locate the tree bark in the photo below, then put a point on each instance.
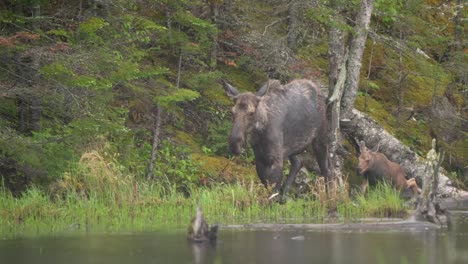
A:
(345, 66)
(333, 117)
(361, 127)
(356, 49)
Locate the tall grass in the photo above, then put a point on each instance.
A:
(381, 201)
(96, 196)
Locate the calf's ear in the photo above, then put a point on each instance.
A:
(230, 90)
(362, 146)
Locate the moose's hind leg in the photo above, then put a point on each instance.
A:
(321, 154)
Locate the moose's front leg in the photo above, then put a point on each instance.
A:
(271, 174)
(296, 165)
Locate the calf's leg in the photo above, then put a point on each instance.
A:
(411, 183)
(364, 185)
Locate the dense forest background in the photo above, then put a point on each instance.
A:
(109, 81)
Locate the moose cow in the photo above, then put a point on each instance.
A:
(281, 121)
(375, 166)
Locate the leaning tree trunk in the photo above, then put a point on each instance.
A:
(361, 127)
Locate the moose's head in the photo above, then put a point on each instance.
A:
(244, 114)
(364, 158)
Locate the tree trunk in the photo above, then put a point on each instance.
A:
(333, 117)
(156, 130)
(361, 127)
(337, 75)
(356, 49)
(214, 9)
(459, 26)
(293, 21)
(345, 66)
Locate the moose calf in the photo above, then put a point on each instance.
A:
(375, 166)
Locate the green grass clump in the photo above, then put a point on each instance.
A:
(382, 201)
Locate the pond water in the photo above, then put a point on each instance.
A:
(400, 243)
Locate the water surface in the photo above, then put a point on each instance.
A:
(404, 242)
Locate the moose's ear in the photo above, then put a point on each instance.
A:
(362, 146)
(231, 91)
(263, 90)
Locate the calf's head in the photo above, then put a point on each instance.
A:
(365, 159)
(243, 114)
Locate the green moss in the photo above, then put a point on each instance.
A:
(224, 170)
(377, 111)
(242, 81)
(350, 164)
(7, 108)
(421, 90)
(187, 139)
(316, 55)
(414, 134)
(457, 151)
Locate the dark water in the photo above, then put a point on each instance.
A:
(296, 245)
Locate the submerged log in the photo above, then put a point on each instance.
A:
(362, 127)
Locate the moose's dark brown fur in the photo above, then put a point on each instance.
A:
(282, 121)
(375, 166)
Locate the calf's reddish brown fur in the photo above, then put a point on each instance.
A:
(375, 166)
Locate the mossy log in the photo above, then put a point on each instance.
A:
(360, 126)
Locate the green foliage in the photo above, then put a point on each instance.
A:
(327, 17)
(177, 95)
(175, 166)
(205, 81)
(19, 148)
(140, 29)
(388, 10)
(57, 71)
(89, 29)
(218, 130)
(59, 33)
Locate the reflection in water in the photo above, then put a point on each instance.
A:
(457, 245)
(203, 252)
(250, 246)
